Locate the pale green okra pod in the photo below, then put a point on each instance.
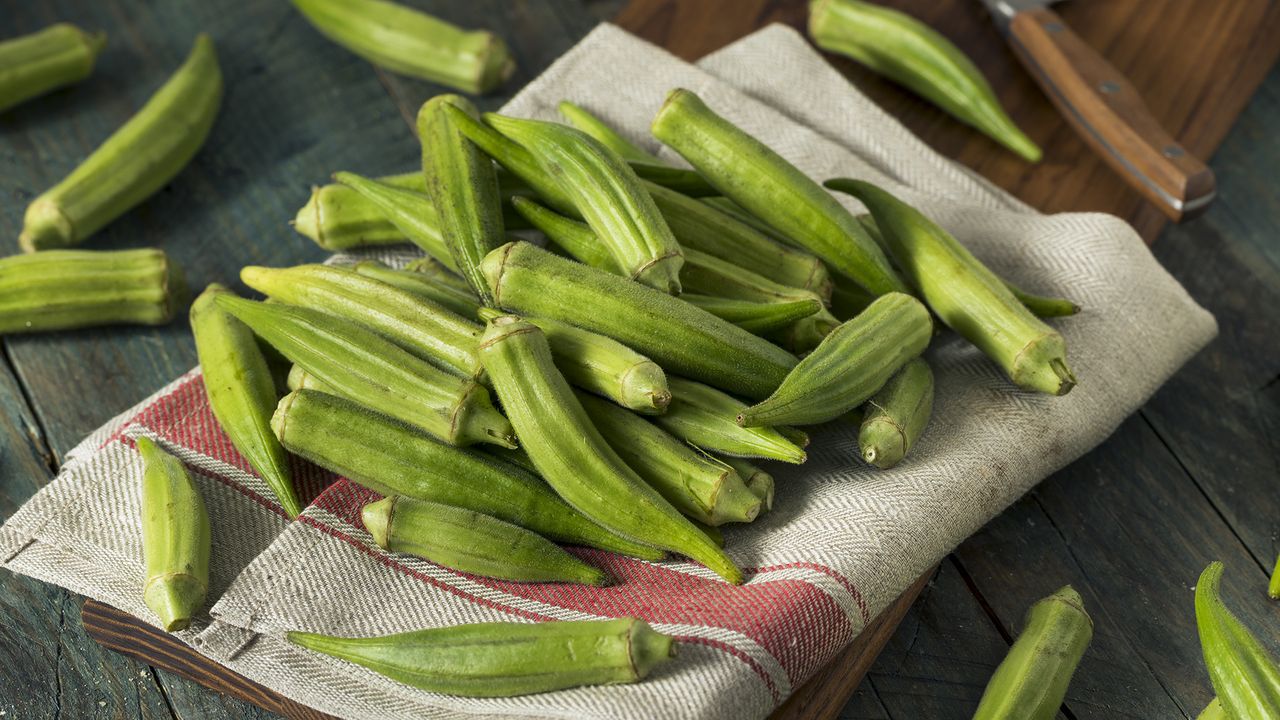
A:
(241, 392)
(337, 217)
(460, 300)
(897, 415)
(1245, 676)
(137, 160)
(412, 213)
(704, 416)
(32, 65)
(299, 379)
(175, 538)
(506, 659)
(759, 482)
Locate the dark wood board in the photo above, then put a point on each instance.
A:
(1197, 63)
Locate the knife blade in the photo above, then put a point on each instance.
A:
(1105, 109)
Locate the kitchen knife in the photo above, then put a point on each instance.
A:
(1104, 108)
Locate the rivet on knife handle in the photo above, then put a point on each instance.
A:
(1110, 115)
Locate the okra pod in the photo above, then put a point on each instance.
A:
(413, 43)
(472, 542)
(1244, 675)
(365, 367)
(607, 194)
(897, 415)
(695, 484)
(65, 289)
(424, 328)
(1273, 588)
(412, 213)
(241, 392)
(603, 366)
(337, 217)
(460, 300)
(393, 458)
(676, 335)
(575, 238)
(299, 379)
(137, 160)
(966, 295)
(704, 416)
(912, 54)
(175, 538)
(766, 185)
(1213, 711)
(757, 318)
(571, 455)
(57, 56)
(506, 659)
(850, 365)
(1032, 679)
(759, 482)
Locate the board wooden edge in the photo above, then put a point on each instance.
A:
(820, 698)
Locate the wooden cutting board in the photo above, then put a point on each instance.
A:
(1197, 63)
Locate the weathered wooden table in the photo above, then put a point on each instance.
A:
(1189, 479)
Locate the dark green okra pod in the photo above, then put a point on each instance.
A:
(506, 659)
(1245, 676)
(571, 455)
(850, 365)
(759, 482)
(410, 42)
(137, 160)
(676, 335)
(371, 370)
(1032, 679)
(966, 295)
(460, 300)
(472, 542)
(241, 392)
(32, 65)
(695, 484)
(393, 458)
(175, 538)
(765, 184)
(911, 53)
(757, 318)
(65, 289)
(897, 415)
(704, 416)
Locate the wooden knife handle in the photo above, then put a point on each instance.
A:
(1107, 111)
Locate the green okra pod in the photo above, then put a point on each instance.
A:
(241, 392)
(571, 455)
(607, 194)
(1273, 588)
(603, 366)
(676, 335)
(463, 188)
(472, 542)
(137, 160)
(1031, 681)
(365, 367)
(506, 659)
(695, 484)
(411, 212)
(65, 289)
(57, 56)
(575, 238)
(1244, 675)
(770, 187)
(850, 365)
(299, 379)
(393, 458)
(704, 416)
(1213, 711)
(413, 43)
(897, 415)
(424, 328)
(460, 300)
(966, 295)
(757, 318)
(912, 54)
(175, 538)
(337, 217)
(759, 482)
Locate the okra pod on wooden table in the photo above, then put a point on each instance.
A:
(506, 659)
(66, 289)
(175, 538)
(337, 217)
(1245, 676)
(241, 392)
(896, 415)
(704, 417)
(137, 160)
(457, 298)
(32, 65)
(573, 457)
(676, 335)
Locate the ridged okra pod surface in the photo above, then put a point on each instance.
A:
(1245, 675)
(676, 335)
(34, 64)
(573, 457)
(337, 217)
(757, 318)
(759, 482)
(850, 365)
(137, 160)
(363, 366)
(966, 295)
(767, 185)
(506, 659)
(896, 415)
(413, 43)
(412, 213)
(241, 392)
(705, 417)
(460, 300)
(175, 538)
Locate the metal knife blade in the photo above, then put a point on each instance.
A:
(1004, 10)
